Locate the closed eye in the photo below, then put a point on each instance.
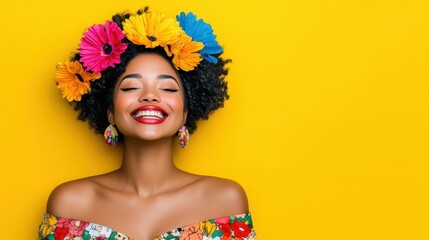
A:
(170, 89)
(127, 89)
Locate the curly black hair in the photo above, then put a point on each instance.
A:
(205, 88)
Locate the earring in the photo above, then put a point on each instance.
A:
(111, 136)
(183, 134)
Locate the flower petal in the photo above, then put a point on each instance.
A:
(200, 31)
(73, 81)
(92, 45)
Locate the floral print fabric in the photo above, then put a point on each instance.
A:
(237, 227)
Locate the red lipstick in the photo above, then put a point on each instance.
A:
(149, 114)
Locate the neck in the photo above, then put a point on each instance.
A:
(147, 165)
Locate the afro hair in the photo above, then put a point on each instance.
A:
(205, 88)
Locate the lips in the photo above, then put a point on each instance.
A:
(149, 114)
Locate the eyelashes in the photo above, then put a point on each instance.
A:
(165, 89)
(170, 89)
(127, 89)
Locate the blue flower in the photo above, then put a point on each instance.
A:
(200, 31)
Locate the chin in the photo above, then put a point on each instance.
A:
(150, 137)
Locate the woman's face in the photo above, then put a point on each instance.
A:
(148, 100)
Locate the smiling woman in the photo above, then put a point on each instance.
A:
(148, 101)
(142, 79)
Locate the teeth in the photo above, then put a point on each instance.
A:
(149, 114)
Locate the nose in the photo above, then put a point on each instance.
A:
(149, 95)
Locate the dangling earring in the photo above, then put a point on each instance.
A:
(111, 136)
(183, 134)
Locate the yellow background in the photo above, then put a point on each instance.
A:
(326, 129)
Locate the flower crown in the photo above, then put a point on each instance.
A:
(187, 40)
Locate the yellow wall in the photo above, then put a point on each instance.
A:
(327, 128)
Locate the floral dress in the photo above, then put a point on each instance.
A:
(238, 227)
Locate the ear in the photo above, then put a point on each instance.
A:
(110, 117)
(185, 116)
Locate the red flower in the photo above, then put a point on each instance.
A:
(226, 229)
(60, 233)
(240, 229)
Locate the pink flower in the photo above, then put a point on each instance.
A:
(101, 47)
(222, 220)
(75, 227)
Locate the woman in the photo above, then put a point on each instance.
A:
(142, 79)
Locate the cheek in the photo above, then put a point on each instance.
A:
(120, 103)
(177, 103)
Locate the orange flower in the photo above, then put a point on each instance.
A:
(185, 51)
(226, 238)
(73, 81)
(192, 232)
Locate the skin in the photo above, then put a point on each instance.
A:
(148, 195)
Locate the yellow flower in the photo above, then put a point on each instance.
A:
(207, 228)
(48, 224)
(185, 51)
(151, 29)
(73, 81)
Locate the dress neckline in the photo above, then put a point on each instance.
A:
(84, 224)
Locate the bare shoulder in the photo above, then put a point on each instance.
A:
(226, 197)
(69, 198)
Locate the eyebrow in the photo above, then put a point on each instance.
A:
(160, 76)
(132, 75)
(166, 76)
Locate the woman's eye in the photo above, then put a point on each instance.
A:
(170, 90)
(128, 89)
